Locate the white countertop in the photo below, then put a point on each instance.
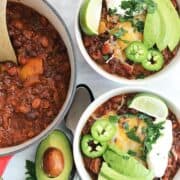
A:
(67, 8)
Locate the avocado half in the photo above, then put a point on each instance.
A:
(55, 147)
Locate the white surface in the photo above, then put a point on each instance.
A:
(169, 86)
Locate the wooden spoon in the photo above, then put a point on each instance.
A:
(7, 52)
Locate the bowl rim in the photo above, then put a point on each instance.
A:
(115, 78)
(70, 94)
(97, 103)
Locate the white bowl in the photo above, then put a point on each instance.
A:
(98, 102)
(157, 76)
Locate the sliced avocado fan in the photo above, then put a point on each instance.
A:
(162, 27)
(126, 164)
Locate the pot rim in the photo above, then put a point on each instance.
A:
(70, 95)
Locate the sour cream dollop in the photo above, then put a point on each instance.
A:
(116, 4)
(157, 159)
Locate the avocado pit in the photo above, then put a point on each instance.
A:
(53, 162)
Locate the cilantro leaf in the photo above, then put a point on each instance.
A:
(153, 132)
(106, 57)
(139, 25)
(132, 153)
(136, 6)
(118, 33)
(126, 126)
(112, 11)
(132, 135)
(30, 170)
(114, 118)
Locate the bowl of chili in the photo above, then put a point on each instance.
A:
(109, 48)
(90, 146)
(36, 93)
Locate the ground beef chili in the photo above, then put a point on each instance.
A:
(32, 92)
(98, 48)
(119, 104)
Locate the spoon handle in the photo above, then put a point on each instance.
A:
(6, 49)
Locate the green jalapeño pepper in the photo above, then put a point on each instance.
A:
(92, 148)
(103, 130)
(154, 61)
(136, 52)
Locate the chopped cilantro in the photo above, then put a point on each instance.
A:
(106, 57)
(140, 76)
(132, 153)
(136, 23)
(30, 170)
(125, 18)
(143, 130)
(126, 126)
(139, 25)
(118, 33)
(145, 117)
(151, 6)
(153, 132)
(114, 118)
(136, 6)
(132, 135)
(129, 102)
(112, 11)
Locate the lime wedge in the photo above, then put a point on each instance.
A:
(90, 15)
(150, 104)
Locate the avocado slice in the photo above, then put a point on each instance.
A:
(126, 164)
(56, 146)
(175, 20)
(169, 25)
(151, 29)
(102, 177)
(162, 27)
(107, 173)
(162, 39)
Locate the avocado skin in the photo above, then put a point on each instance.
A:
(56, 139)
(126, 164)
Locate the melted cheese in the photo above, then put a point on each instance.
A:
(130, 36)
(123, 141)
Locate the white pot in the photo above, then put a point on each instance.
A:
(157, 76)
(45, 9)
(98, 102)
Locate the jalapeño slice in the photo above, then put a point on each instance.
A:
(92, 148)
(136, 52)
(103, 130)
